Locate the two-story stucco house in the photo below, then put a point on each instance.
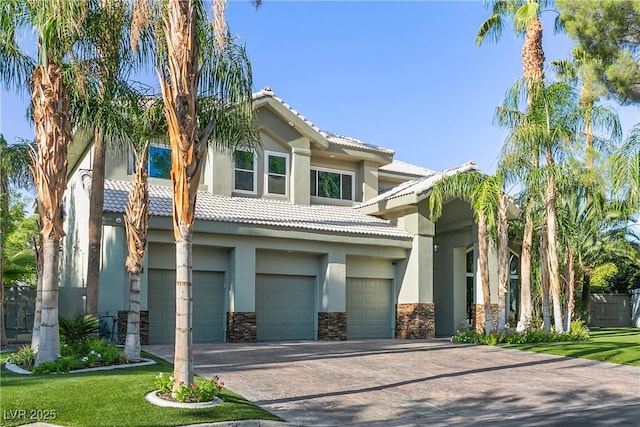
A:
(311, 236)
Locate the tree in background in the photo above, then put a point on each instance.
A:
(103, 112)
(608, 31)
(14, 173)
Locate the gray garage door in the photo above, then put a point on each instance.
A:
(207, 306)
(368, 308)
(284, 307)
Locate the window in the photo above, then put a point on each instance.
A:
(159, 162)
(276, 170)
(332, 184)
(470, 275)
(244, 171)
(513, 310)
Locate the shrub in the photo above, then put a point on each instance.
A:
(199, 391)
(25, 357)
(578, 332)
(78, 330)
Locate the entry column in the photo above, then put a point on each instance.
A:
(241, 318)
(332, 314)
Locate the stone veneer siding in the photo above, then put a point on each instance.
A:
(332, 326)
(479, 319)
(123, 317)
(241, 327)
(415, 321)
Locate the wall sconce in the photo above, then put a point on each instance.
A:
(436, 247)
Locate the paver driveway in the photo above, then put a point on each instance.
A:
(415, 383)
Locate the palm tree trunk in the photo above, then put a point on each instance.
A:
(571, 287)
(136, 225)
(526, 309)
(552, 250)
(503, 259)
(96, 203)
(49, 345)
(52, 132)
(132, 341)
(183, 371)
(483, 261)
(37, 315)
(544, 270)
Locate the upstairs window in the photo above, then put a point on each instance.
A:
(244, 171)
(159, 162)
(332, 184)
(276, 170)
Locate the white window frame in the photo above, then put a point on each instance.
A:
(339, 172)
(267, 154)
(255, 174)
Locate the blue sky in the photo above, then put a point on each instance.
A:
(405, 75)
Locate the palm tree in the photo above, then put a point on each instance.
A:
(484, 194)
(136, 221)
(196, 57)
(107, 32)
(57, 26)
(525, 15)
(14, 172)
(552, 124)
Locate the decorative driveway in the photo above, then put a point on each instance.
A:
(420, 382)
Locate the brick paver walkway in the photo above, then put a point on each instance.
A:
(415, 383)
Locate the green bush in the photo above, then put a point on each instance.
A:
(25, 357)
(199, 391)
(78, 330)
(577, 332)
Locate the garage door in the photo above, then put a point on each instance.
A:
(207, 306)
(368, 308)
(284, 307)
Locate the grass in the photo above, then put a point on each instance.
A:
(615, 345)
(107, 398)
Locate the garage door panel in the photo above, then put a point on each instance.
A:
(207, 306)
(369, 308)
(284, 307)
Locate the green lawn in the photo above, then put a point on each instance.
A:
(616, 345)
(106, 398)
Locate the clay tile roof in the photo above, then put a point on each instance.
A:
(420, 185)
(260, 212)
(347, 141)
(406, 168)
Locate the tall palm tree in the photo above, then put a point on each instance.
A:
(525, 15)
(484, 194)
(206, 85)
(552, 123)
(14, 172)
(107, 34)
(57, 26)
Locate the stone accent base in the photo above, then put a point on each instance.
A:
(241, 327)
(123, 317)
(415, 321)
(332, 326)
(478, 321)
